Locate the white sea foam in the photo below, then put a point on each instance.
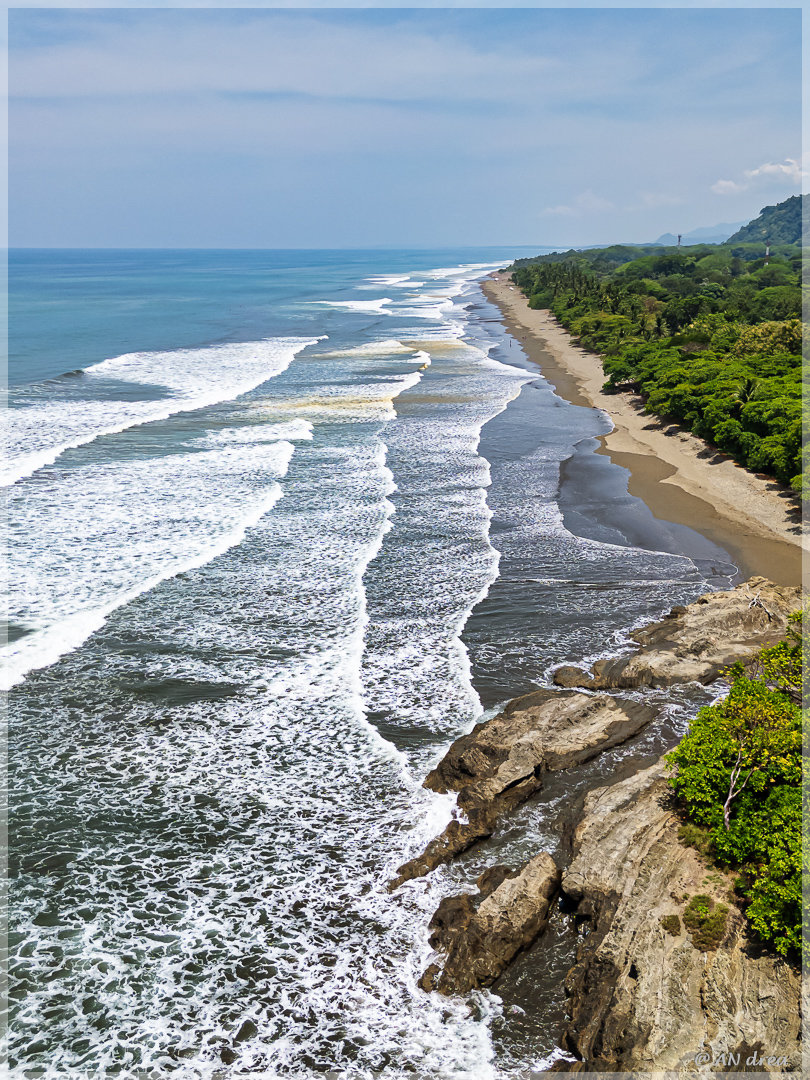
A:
(411, 284)
(340, 403)
(297, 430)
(433, 305)
(373, 349)
(99, 536)
(376, 306)
(227, 891)
(35, 435)
(287, 910)
(441, 338)
(376, 281)
(416, 670)
(427, 307)
(468, 270)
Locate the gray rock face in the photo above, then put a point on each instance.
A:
(479, 945)
(695, 643)
(642, 997)
(501, 762)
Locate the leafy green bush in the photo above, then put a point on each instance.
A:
(671, 924)
(695, 837)
(697, 911)
(738, 775)
(706, 922)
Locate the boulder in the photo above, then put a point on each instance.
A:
(695, 643)
(479, 944)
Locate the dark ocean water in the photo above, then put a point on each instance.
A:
(282, 526)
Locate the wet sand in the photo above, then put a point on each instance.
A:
(680, 477)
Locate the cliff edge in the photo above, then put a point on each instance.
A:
(651, 988)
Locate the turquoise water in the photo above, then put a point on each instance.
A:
(282, 526)
(69, 309)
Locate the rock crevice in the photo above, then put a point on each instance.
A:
(479, 944)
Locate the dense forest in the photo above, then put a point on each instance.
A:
(710, 336)
(780, 224)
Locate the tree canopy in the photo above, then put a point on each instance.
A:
(781, 224)
(709, 336)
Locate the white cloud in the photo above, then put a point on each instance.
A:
(788, 170)
(728, 187)
(398, 127)
(277, 53)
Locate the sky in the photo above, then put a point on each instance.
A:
(424, 127)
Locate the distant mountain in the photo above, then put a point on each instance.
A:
(781, 224)
(708, 234)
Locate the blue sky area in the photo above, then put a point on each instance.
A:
(425, 127)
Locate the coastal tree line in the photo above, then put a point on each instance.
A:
(709, 336)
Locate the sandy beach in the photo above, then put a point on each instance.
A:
(680, 477)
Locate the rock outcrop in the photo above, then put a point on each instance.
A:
(501, 762)
(666, 977)
(695, 643)
(479, 944)
(642, 996)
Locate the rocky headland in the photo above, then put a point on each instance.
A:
(652, 984)
(501, 762)
(695, 643)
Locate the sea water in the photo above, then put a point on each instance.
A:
(282, 525)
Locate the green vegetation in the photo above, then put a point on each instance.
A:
(705, 921)
(671, 924)
(694, 836)
(781, 224)
(710, 337)
(738, 777)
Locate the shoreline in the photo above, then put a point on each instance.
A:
(681, 478)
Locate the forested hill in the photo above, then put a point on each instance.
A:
(709, 336)
(780, 224)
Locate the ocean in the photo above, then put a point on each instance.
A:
(282, 526)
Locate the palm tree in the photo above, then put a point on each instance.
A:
(747, 390)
